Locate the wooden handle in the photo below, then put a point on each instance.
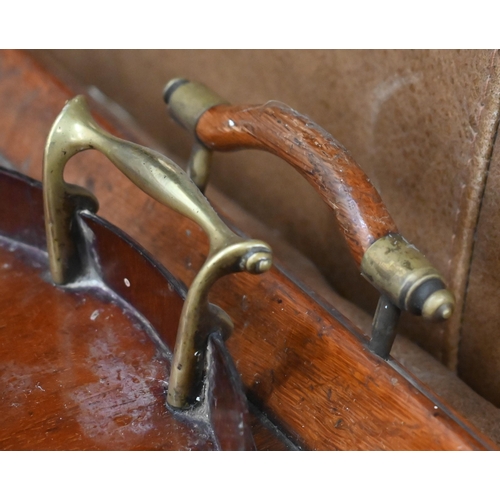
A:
(278, 129)
(396, 268)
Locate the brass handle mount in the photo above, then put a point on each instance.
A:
(74, 131)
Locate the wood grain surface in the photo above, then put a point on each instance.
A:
(303, 365)
(83, 369)
(78, 373)
(324, 162)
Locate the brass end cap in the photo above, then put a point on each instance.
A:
(258, 262)
(172, 86)
(188, 100)
(439, 305)
(399, 271)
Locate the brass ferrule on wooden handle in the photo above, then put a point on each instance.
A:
(398, 270)
(189, 100)
(363, 218)
(74, 131)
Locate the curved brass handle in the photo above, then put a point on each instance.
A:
(397, 269)
(75, 130)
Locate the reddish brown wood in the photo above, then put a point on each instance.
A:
(77, 373)
(324, 162)
(80, 369)
(302, 364)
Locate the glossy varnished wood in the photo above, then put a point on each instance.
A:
(83, 369)
(303, 365)
(324, 162)
(77, 373)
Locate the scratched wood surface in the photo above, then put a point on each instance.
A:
(303, 365)
(80, 368)
(324, 162)
(78, 374)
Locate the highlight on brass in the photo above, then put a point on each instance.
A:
(403, 276)
(74, 131)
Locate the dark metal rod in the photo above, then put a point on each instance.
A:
(384, 327)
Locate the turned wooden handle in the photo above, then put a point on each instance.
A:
(325, 163)
(396, 268)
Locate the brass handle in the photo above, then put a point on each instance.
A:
(397, 269)
(75, 130)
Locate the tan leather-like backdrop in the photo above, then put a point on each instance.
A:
(422, 124)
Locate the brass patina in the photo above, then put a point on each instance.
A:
(187, 102)
(400, 271)
(198, 167)
(75, 130)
